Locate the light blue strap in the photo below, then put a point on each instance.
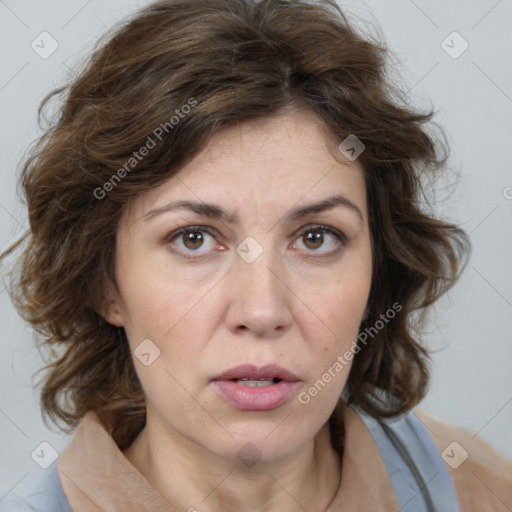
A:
(416, 470)
(39, 492)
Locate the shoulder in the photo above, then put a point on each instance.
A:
(414, 466)
(482, 478)
(37, 492)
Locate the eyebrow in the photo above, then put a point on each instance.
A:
(215, 212)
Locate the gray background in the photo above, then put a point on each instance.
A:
(470, 328)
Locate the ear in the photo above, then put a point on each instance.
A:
(110, 309)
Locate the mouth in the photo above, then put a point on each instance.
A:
(250, 372)
(260, 383)
(252, 388)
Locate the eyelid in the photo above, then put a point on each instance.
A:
(167, 240)
(342, 237)
(322, 227)
(189, 228)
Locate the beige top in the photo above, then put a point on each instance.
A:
(95, 474)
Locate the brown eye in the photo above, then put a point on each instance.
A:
(322, 240)
(313, 240)
(192, 240)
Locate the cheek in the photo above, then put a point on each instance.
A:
(332, 356)
(342, 305)
(152, 299)
(172, 318)
(345, 300)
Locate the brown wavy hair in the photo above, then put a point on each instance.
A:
(237, 60)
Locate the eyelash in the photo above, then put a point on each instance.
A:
(319, 228)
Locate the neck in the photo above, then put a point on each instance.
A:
(193, 479)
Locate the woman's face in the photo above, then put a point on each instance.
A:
(273, 270)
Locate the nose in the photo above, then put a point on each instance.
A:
(259, 299)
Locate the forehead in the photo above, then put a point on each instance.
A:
(289, 142)
(272, 162)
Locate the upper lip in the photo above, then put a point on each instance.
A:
(252, 372)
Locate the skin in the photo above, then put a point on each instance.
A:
(299, 304)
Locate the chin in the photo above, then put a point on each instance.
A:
(255, 443)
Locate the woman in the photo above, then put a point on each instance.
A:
(228, 256)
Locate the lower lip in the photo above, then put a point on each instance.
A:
(264, 398)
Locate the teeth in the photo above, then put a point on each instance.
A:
(254, 383)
